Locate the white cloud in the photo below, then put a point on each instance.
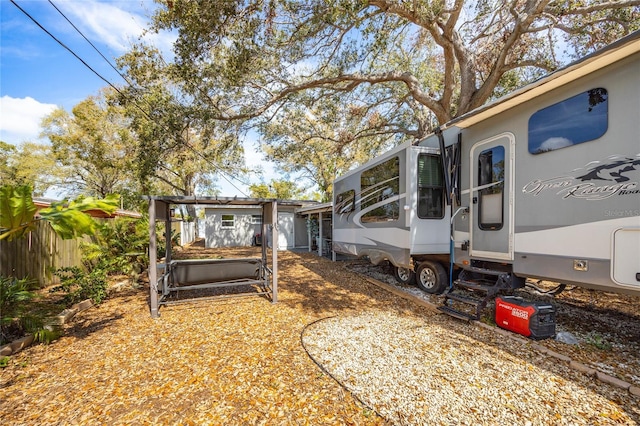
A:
(110, 24)
(20, 118)
(555, 143)
(114, 24)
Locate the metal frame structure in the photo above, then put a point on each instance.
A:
(192, 274)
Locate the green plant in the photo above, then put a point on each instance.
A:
(119, 247)
(47, 334)
(21, 313)
(596, 340)
(4, 361)
(15, 296)
(79, 284)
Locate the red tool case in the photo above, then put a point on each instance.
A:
(532, 319)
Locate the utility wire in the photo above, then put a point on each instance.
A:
(89, 41)
(66, 47)
(35, 21)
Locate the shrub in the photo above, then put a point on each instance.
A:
(121, 247)
(19, 314)
(80, 285)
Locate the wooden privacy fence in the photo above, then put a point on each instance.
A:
(38, 254)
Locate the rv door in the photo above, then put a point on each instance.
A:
(492, 186)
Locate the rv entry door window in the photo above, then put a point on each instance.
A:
(491, 188)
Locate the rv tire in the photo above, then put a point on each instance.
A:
(431, 277)
(404, 275)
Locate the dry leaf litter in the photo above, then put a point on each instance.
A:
(373, 358)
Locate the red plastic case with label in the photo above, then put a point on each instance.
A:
(531, 319)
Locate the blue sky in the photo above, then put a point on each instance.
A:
(37, 74)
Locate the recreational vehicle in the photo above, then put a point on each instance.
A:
(392, 208)
(545, 183)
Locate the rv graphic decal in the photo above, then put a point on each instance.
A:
(597, 180)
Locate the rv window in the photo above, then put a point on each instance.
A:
(228, 221)
(491, 182)
(579, 119)
(345, 202)
(256, 219)
(430, 187)
(378, 184)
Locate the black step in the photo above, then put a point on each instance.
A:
(474, 285)
(457, 314)
(485, 271)
(463, 299)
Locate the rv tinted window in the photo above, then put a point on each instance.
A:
(579, 119)
(378, 184)
(491, 177)
(345, 202)
(228, 221)
(430, 187)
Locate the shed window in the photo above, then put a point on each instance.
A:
(256, 219)
(579, 119)
(228, 221)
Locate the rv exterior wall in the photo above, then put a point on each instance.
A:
(574, 203)
(376, 210)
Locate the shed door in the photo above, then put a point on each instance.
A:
(285, 231)
(492, 188)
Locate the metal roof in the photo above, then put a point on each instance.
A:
(224, 201)
(317, 208)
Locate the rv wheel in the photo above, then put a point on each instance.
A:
(404, 275)
(431, 277)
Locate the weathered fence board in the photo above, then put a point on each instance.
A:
(38, 254)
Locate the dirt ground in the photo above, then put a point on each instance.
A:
(241, 361)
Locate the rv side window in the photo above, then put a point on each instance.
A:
(378, 184)
(346, 201)
(228, 221)
(491, 180)
(579, 119)
(430, 187)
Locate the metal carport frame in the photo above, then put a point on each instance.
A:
(159, 210)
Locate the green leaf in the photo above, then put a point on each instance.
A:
(70, 220)
(17, 211)
(108, 205)
(69, 223)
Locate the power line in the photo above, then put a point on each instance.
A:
(35, 21)
(66, 47)
(92, 45)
